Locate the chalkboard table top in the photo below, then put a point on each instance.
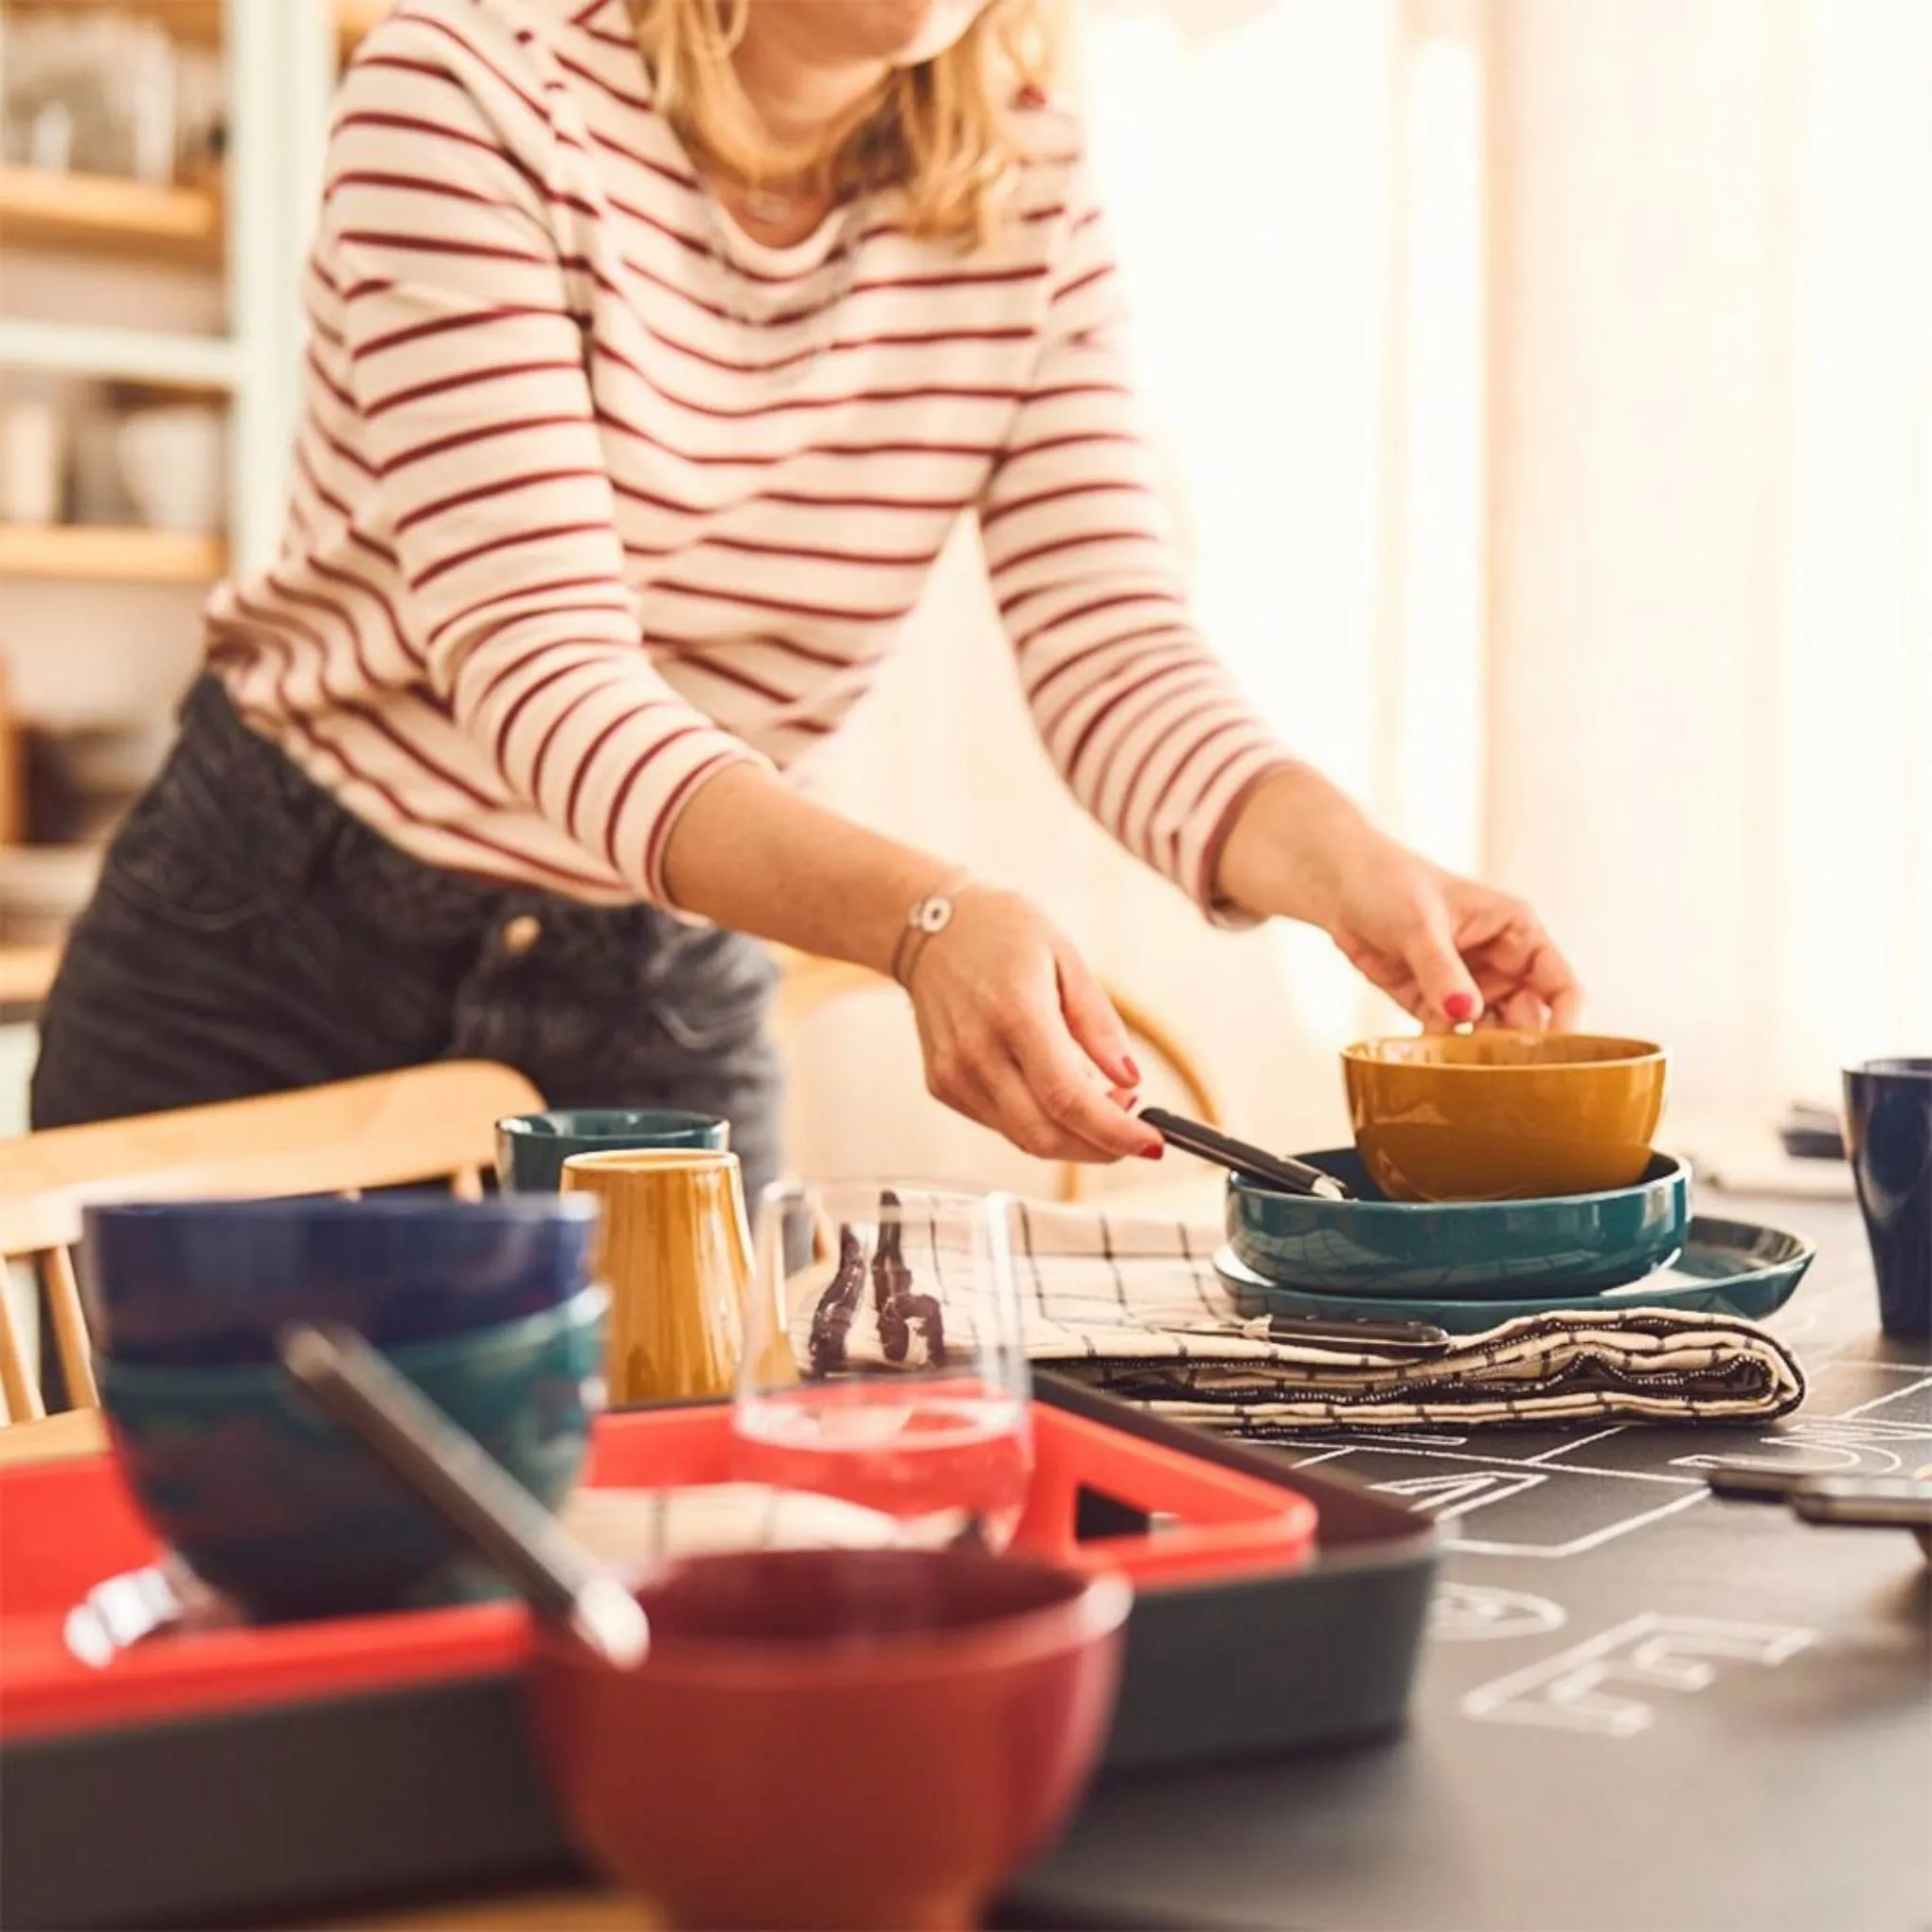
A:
(1640, 1707)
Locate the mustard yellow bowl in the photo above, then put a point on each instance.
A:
(1503, 1116)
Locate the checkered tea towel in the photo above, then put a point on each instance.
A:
(1135, 1308)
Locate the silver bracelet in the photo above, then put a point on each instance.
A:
(925, 920)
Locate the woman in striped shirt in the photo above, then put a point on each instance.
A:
(656, 348)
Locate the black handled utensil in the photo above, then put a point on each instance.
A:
(1871, 1502)
(455, 1477)
(1846, 1502)
(1239, 1156)
(1417, 1339)
(1741, 1482)
(1902, 1500)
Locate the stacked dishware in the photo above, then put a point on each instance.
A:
(488, 1308)
(1494, 1175)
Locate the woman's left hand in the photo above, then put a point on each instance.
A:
(1447, 949)
(1450, 950)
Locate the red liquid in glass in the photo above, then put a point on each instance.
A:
(945, 1459)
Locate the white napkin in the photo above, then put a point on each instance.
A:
(1135, 1308)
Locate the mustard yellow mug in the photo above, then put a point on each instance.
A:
(676, 1255)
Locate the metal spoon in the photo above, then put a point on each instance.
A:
(455, 1477)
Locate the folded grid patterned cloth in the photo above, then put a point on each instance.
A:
(1135, 1308)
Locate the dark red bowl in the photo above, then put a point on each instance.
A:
(835, 1738)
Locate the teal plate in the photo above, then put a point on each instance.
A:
(1727, 1268)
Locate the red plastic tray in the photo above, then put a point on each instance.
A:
(66, 1527)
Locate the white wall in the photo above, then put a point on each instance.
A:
(1852, 893)
(1640, 236)
(1709, 717)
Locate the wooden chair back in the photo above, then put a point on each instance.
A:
(421, 1124)
(42, 1228)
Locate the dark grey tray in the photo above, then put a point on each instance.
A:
(1317, 1656)
(287, 1809)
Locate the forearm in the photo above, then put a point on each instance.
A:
(1288, 855)
(749, 855)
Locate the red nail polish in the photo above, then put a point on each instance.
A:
(1459, 1006)
(1153, 1153)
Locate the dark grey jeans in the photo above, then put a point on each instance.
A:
(250, 936)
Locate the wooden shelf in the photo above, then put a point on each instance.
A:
(199, 22)
(62, 551)
(25, 973)
(103, 214)
(195, 21)
(164, 359)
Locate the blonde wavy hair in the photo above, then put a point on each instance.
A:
(940, 134)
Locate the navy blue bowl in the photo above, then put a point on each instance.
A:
(1571, 1244)
(189, 1284)
(269, 1502)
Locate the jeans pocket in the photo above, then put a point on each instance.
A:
(180, 873)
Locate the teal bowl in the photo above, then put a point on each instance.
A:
(1570, 1244)
(533, 1148)
(269, 1503)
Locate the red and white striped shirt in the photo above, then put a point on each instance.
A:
(595, 495)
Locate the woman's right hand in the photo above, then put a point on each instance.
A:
(1015, 1030)
(1015, 1033)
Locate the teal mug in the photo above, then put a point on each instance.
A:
(533, 1148)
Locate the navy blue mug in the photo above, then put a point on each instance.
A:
(1888, 1137)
